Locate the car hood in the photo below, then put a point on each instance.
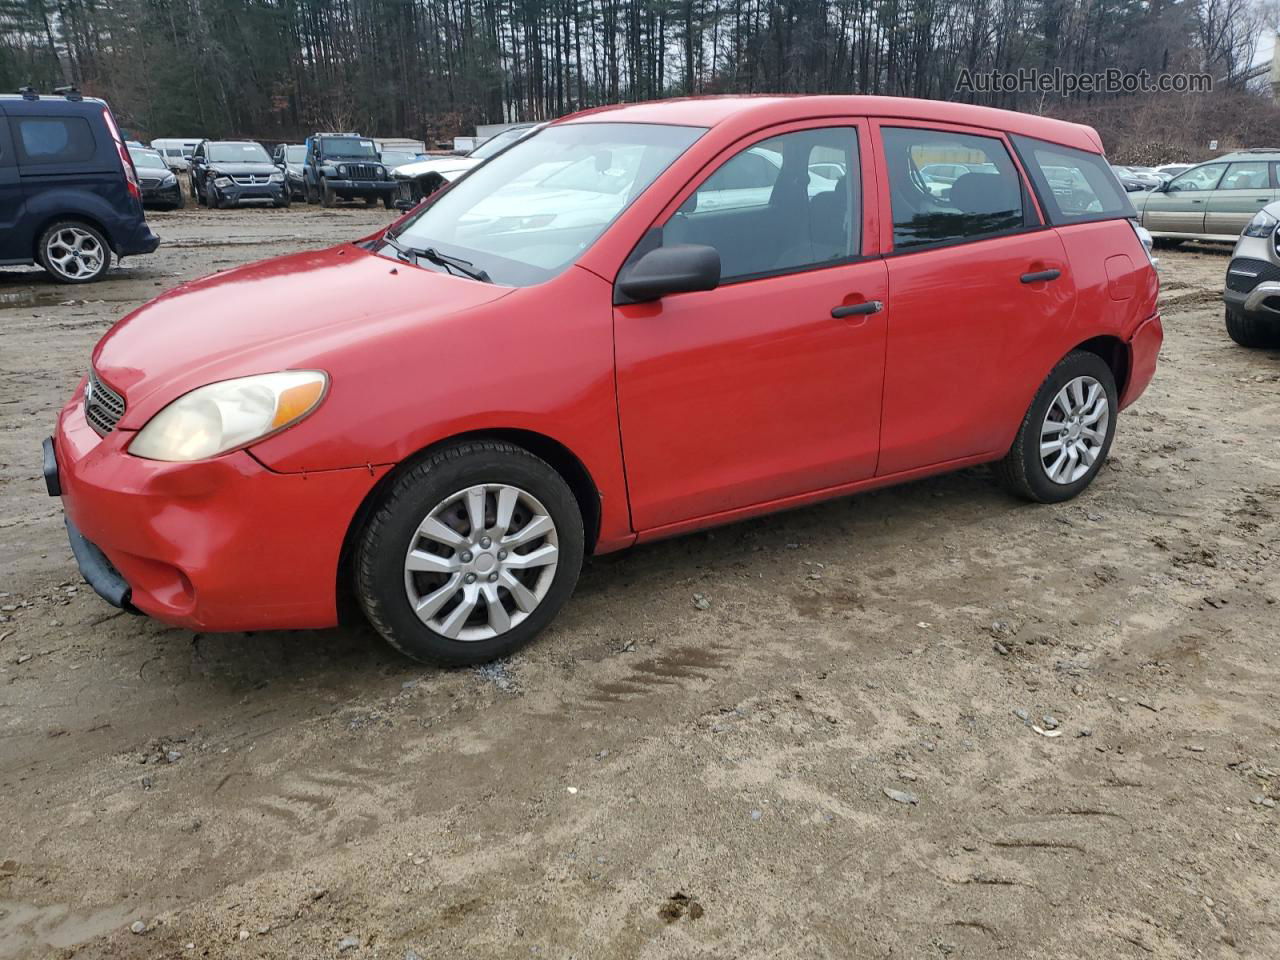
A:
(238, 169)
(445, 166)
(294, 312)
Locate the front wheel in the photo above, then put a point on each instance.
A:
(1066, 434)
(470, 554)
(327, 197)
(1250, 331)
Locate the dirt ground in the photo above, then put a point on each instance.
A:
(656, 780)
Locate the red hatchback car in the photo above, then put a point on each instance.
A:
(638, 321)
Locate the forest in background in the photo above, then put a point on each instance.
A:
(277, 69)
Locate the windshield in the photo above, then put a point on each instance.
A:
(147, 158)
(237, 153)
(526, 215)
(295, 154)
(498, 143)
(348, 147)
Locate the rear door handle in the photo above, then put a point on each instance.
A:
(857, 309)
(1040, 276)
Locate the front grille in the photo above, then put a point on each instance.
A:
(364, 171)
(103, 407)
(1244, 273)
(149, 183)
(251, 179)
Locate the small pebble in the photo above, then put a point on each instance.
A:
(756, 814)
(700, 602)
(1022, 715)
(901, 796)
(137, 927)
(1049, 722)
(348, 943)
(244, 935)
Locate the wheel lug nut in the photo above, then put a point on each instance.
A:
(466, 556)
(502, 554)
(493, 578)
(470, 578)
(484, 542)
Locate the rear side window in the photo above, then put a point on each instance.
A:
(1073, 185)
(1251, 175)
(53, 139)
(950, 187)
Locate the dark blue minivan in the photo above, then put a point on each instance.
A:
(69, 195)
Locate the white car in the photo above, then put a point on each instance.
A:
(424, 177)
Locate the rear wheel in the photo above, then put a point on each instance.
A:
(74, 252)
(470, 554)
(1250, 331)
(1066, 434)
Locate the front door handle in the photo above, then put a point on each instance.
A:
(1041, 276)
(857, 309)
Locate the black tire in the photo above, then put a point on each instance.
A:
(46, 251)
(327, 196)
(179, 201)
(1022, 472)
(1252, 331)
(388, 201)
(370, 201)
(195, 193)
(284, 201)
(1166, 243)
(390, 530)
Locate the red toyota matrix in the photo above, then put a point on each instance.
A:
(636, 322)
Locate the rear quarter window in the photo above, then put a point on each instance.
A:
(1074, 186)
(48, 140)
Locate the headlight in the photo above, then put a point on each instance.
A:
(232, 413)
(342, 171)
(276, 178)
(169, 180)
(1263, 224)
(222, 181)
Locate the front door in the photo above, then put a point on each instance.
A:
(1180, 207)
(1243, 190)
(973, 280)
(755, 391)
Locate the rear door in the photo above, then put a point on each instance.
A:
(1181, 206)
(15, 233)
(975, 280)
(1244, 189)
(768, 386)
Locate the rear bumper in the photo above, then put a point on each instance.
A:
(1144, 351)
(221, 544)
(138, 241)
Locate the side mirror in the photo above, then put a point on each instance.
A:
(680, 268)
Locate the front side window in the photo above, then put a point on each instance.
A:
(1204, 177)
(54, 140)
(238, 153)
(1252, 175)
(528, 213)
(983, 200)
(788, 203)
(1074, 185)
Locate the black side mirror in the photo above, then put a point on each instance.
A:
(680, 268)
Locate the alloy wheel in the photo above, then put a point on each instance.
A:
(1074, 430)
(75, 253)
(482, 561)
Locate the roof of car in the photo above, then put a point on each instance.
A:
(756, 111)
(47, 103)
(1259, 153)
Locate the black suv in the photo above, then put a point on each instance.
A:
(346, 166)
(225, 172)
(69, 195)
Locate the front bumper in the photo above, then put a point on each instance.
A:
(220, 544)
(236, 192)
(1253, 287)
(169, 195)
(362, 188)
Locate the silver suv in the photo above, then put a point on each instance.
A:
(1252, 290)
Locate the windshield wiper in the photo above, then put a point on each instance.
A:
(413, 254)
